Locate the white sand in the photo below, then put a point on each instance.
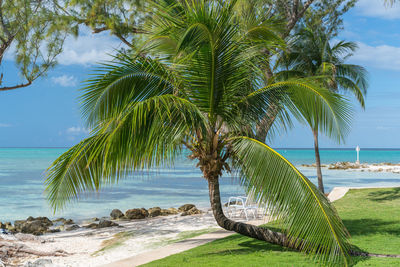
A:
(147, 235)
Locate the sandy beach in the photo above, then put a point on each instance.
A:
(87, 247)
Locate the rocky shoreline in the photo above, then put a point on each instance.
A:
(375, 167)
(14, 238)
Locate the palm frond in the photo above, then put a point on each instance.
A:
(147, 134)
(304, 213)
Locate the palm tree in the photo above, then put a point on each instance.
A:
(312, 55)
(197, 85)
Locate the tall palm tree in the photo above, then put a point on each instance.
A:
(197, 84)
(312, 55)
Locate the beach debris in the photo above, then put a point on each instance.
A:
(116, 214)
(154, 212)
(39, 263)
(136, 213)
(12, 249)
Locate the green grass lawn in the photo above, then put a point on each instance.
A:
(372, 217)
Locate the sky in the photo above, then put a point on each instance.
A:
(46, 114)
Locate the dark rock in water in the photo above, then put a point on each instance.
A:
(186, 207)
(170, 211)
(154, 212)
(116, 214)
(72, 227)
(136, 213)
(69, 221)
(95, 219)
(105, 223)
(39, 263)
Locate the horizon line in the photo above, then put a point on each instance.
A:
(280, 148)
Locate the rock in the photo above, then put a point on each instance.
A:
(39, 263)
(68, 222)
(31, 225)
(186, 207)
(34, 227)
(59, 220)
(72, 227)
(233, 202)
(44, 220)
(136, 213)
(170, 211)
(192, 211)
(154, 212)
(95, 219)
(116, 214)
(92, 226)
(105, 223)
(54, 230)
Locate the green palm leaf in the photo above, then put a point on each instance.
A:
(304, 213)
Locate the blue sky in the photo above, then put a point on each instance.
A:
(46, 114)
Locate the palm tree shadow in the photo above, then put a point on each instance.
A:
(363, 227)
(390, 194)
(249, 246)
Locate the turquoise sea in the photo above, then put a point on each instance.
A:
(22, 182)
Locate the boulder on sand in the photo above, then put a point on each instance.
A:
(154, 212)
(186, 207)
(31, 225)
(106, 223)
(116, 214)
(192, 211)
(170, 211)
(133, 214)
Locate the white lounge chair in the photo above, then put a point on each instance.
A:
(242, 205)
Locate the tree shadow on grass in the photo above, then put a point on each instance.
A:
(385, 195)
(364, 227)
(249, 246)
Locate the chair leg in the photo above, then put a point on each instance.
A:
(245, 213)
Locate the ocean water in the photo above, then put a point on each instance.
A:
(22, 175)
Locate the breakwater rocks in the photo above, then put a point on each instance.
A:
(375, 167)
(42, 225)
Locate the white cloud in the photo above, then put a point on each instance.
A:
(377, 9)
(88, 49)
(76, 130)
(4, 125)
(65, 80)
(381, 56)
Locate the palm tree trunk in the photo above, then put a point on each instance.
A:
(249, 230)
(318, 161)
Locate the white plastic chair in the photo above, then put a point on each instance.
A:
(241, 204)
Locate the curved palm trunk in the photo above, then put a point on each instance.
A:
(249, 230)
(318, 161)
